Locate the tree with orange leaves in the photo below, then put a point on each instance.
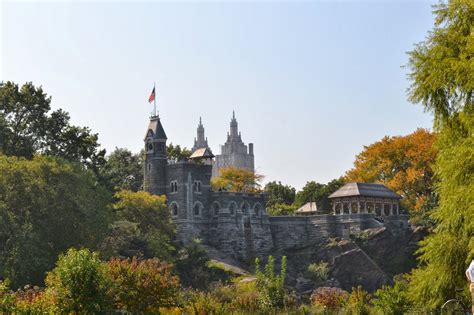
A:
(404, 164)
(237, 180)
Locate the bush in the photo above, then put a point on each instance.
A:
(331, 298)
(79, 282)
(393, 300)
(192, 265)
(359, 301)
(142, 286)
(271, 286)
(7, 299)
(318, 271)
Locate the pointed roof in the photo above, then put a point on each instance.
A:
(309, 207)
(202, 153)
(155, 129)
(364, 190)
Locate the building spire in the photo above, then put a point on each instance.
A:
(200, 141)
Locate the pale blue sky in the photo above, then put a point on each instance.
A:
(311, 82)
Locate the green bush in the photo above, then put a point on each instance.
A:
(318, 271)
(359, 301)
(270, 286)
(79, 282)
(393, 300)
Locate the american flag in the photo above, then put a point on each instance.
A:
(152, 96)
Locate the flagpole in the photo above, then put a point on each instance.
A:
(154, 100)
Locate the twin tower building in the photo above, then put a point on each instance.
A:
(235, 223)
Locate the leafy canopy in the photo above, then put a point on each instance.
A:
(402, 163)
(236, 180)
(442, 74)
(47, 205)
(27, 127)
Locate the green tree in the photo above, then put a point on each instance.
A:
(279, 193)
(393, 300)
(192, 265)
(153, 225)
(319, 193)
(142, 286)
(80, 283)
(26, 128)
(123, 170)
(176, 153)
(442, 74)
(47, 205)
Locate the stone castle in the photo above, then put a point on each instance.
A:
(236, 223)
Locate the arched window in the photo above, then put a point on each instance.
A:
(232, 208)
(257, 209)
(174, 186)
(216, 208)
(245, 208)
(174, 210)
(197, 186)
(197, 210)
(149, 146)
(149, 166)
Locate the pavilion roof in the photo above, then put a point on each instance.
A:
(364, 190)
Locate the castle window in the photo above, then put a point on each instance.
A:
(197, 186)
(197, 209)
(245, 209)
(174, 209)
(174, 187)
(149, 166)
(232, 208)
(216, 208)
(149, 146)
(257, 210)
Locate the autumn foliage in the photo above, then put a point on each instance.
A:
(402, 163)
(237, 180)
(142, 286)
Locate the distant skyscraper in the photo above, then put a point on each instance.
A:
(200, 141)
(234, 152)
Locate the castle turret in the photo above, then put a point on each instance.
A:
(200, 142)
(155, 157)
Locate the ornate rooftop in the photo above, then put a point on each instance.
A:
(364, 190)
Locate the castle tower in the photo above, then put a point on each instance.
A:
(155, 158)
(234, 153)
(200, 141)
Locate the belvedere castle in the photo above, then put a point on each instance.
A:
(237, 223)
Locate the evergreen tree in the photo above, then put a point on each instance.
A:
(442, 74)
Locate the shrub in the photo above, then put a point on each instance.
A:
(359, 301)
(142, 286)
(192, 265)
(7, 299)
(318, 271)
(331, 298)
(393, 300)
(79, 282)
(271, 286)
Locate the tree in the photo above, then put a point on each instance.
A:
(237, 180)
(394, 299)
(319, 193)
(47, 205)
(152, 220)
(142, 286)
(192, 265)
(80, 282)
(279, 193)
(404, 164)
(26, 128)
(176, 153)
(442, 74)
(123, 170)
